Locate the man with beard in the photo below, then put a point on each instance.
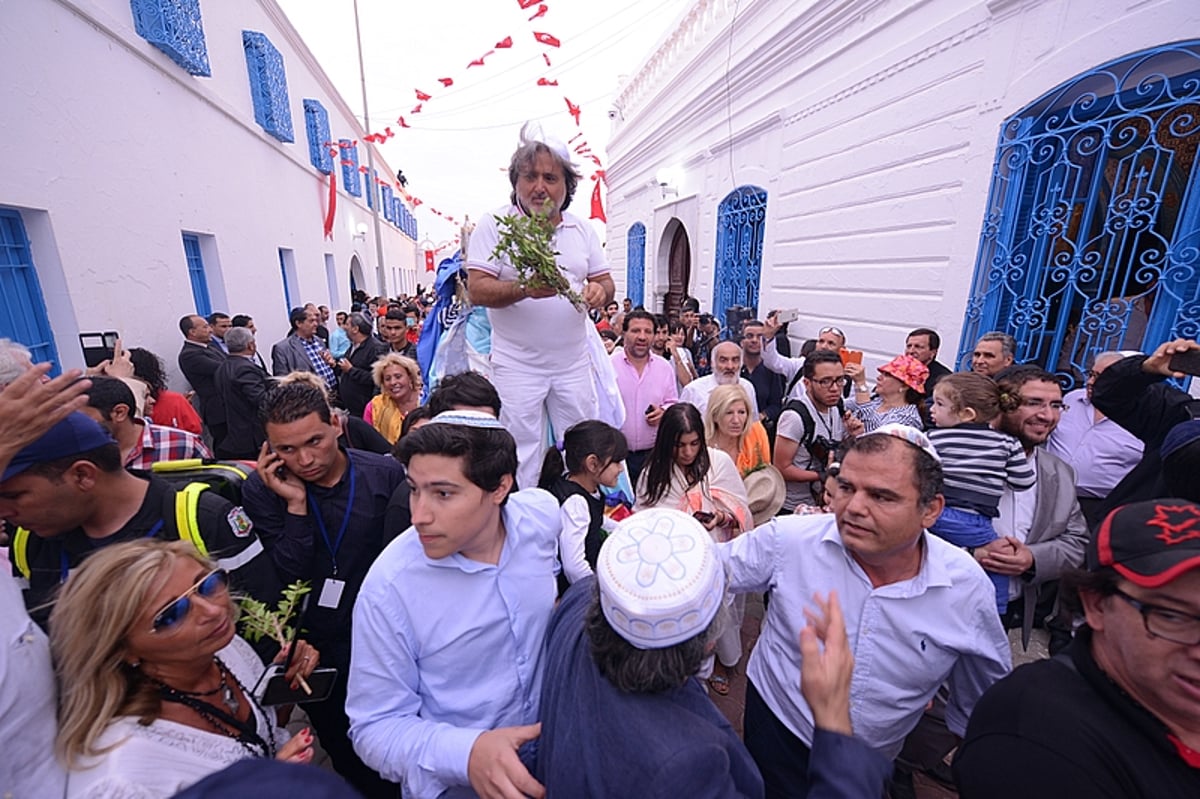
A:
(727, 368)
(647, 386)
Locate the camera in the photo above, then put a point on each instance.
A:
(819, 449)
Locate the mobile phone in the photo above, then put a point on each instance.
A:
(274, 689)
(788, 315)
(1186, 362)
(98, 347)
(704, 517)
(650, 409)
(850, 356)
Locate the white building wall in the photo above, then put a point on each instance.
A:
(872, 124)
(112, 151)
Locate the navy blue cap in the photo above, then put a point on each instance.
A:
(76, 434)
(1180, 436)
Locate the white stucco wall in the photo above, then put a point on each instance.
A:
(112, 151)
(871, 123)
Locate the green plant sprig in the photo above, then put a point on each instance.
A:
(527, 243)
(259, 621)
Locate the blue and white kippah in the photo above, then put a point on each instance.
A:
(660, 580)
(910, 434)
(468, 419)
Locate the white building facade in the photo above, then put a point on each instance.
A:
(166, 159)
(881, 165)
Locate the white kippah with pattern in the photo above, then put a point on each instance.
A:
(661, 582)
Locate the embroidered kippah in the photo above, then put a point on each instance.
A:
(478, 419)
(910, 434)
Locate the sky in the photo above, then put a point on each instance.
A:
(456, 153)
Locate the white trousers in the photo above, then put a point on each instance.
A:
(531, 400)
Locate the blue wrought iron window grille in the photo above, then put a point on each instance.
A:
(350, 173)
(196, 275)
(316, 125)
(1091, 238)
(23, 316)
(635, 263)
(268, 86)
(389, 207)
(741, 225)
(176, 28)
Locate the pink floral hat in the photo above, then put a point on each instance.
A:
(908, 370)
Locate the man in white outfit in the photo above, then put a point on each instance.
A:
(727, 370)
(539, 339)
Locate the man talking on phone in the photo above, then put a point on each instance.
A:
(1135, 394)
(319, 510)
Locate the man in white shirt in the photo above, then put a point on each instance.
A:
(918, 612)
(539, 339)
(727, 371)
(449, 625)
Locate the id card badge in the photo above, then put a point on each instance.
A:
(331, 593)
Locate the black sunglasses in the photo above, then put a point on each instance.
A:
(208, 586)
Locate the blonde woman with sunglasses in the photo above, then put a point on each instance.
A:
(155, 685)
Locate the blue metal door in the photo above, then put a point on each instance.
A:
(741, 222)
(1091, 240)
(635, 264)
(22, 310)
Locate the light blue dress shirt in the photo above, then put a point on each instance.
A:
(907, 637)
(444, 650)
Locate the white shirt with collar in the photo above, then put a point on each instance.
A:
(1016, 519)
(907, 637)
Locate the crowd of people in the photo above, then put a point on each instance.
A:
(506, 584)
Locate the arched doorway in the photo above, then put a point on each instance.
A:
(679, 269)
(356, 275)
(741, 224)
(1091, 239)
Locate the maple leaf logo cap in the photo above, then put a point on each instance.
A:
(1148, 543)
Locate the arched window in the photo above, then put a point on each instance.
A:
(1091, 240)
(635, 263)
(741, 220)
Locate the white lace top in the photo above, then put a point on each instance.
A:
(159, 760)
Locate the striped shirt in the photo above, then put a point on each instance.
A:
(977, 463)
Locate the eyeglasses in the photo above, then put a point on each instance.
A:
(830, 382)
(1091, 374)
(1166, 623)
(210, 585)
(1038, 404)
(834, 330)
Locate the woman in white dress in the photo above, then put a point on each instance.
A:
(683, 473)
(154, 684)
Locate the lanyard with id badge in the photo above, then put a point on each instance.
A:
(331, 590)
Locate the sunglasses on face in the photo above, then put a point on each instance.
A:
(213, 584)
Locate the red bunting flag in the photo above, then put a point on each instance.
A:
(547, 57)
(331, 208)
(478, 62)
(546, 82)
(573, 110)
(597, 205)
(422, 96)
(416, 201)
(447, 82)
(504, 43)
(541, 12)
(547, 39)
(527, 3)
(362, 170)
(390, 133)
(603, 175)
(416, 108)
(400, 121)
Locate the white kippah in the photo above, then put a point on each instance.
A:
(660, 580)
(468, 419)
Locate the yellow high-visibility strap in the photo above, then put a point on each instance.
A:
(20, 551)
(187, 521)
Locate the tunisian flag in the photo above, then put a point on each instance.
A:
(429, 261)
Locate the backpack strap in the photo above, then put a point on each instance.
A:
(182, 511)
(20, 551)
(792, 383)
(810, 425)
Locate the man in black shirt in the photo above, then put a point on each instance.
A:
(1118, 713)
(319, 509)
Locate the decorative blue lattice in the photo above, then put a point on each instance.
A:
(316, 124)
(23, 316)
(389, 208)
(635, 263)
(268, 86)
(196, 274)
(741, 224)
(1091, 237)
(175, 27)
(350, 173)
(372, 192)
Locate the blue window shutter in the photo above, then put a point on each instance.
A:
(350, 173)
(195, 266)
(316, 125)
(635, 264)
(175, 27)
(23, 316)
(268, 86)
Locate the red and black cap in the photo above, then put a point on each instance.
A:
(1148, 543)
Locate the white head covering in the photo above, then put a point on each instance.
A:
(532, 133)
(660, 580)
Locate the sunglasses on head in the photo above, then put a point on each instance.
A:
(210, 585)
(833, 330)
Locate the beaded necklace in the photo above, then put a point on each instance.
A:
(225, 720)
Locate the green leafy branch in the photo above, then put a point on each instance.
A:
(527, 243)
(259, 621)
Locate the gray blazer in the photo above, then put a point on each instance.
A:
(289, 356)
(1059, 534)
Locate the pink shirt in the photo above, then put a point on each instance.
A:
(654, 386)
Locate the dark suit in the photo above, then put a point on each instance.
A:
(357, 386)
(199, 363)
(242, 384)
(936, 372)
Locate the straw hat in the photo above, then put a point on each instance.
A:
(767, 491)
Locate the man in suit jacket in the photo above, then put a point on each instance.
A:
(302, 351)
(242, 384)
(199, 361)
(356, 384)
(1042, 532)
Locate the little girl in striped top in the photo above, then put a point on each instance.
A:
(977, 462)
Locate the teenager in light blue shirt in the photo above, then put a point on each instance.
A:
(449, 625)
